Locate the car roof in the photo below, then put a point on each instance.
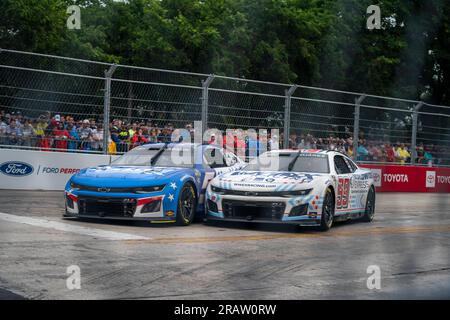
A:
(158, 145)
(301, 150)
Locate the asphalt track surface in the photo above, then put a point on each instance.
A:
(409, 241)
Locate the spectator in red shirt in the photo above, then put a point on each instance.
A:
(390, 154)
(61, 136)
(139, 138)
(45, 143)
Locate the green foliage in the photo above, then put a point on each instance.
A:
(314, 42)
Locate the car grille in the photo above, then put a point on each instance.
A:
(250, 193)
(293, 193)
(99, 189)
(107, 207)
(270, 211)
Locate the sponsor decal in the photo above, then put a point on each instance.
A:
(359, 183)
(16, 169)
(391, 177)
(376, 174)
(430, 181)
(443, 179)
(256, 185)
(50, 170)
(247, 176)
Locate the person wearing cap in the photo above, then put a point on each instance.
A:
(85, 134)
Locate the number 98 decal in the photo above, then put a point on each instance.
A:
(343, 193)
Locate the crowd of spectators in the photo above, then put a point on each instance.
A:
(64, 133)
(370, 151)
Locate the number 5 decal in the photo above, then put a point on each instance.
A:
(343, 193)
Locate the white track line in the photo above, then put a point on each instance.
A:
(49, 224)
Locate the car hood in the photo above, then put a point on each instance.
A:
(127, 176)
(267, 180)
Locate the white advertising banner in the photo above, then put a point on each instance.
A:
(43, 170)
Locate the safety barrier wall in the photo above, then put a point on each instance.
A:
(41, 170)
(398, 178)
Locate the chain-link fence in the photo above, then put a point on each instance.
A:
(65, 104)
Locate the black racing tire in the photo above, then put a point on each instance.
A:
(369, 212)
(187, 205)
(326, 220)
(66, 213)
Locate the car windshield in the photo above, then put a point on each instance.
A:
(304, 162)
(178, 156)
(139, 156)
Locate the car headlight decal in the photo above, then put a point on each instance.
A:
(149, 189)
(217, 189)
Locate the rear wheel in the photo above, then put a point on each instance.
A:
(369, 213)
(187, 205)
(327, 218)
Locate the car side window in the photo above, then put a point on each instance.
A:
(351, 164)
(230, 159)
(214, 158)
(341, 166)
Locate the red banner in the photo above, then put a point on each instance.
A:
(398, 178)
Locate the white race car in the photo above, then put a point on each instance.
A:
(303, 187)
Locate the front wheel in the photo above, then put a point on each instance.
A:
(187, 205)
(369, 213)
(327, 218)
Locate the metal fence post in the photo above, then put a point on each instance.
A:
(107, 106)
(287, 115)
(358, 102)
(415, 116)
(205, 96)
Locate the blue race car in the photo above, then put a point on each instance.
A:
(160, 183)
